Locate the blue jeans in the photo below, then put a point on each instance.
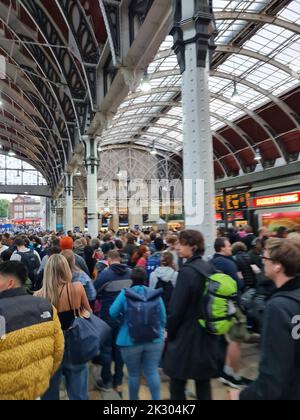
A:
(76, 383)
(111, 352)
(144, 358)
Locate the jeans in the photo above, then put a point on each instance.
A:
(177, 389)
(76, 383)
(145, 359)
(110, 352)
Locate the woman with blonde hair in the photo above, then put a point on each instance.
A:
(69, 299)
(80, 276)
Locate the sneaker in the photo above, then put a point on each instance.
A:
(230, 381)
(119, 391)
(101, 386)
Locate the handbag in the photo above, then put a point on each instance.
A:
(84, 338)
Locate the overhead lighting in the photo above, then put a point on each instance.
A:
(145, 83)
(26, 192)
(119, 174)
(153, 152)
(18, 174)
(258, 156)
(78, 173)
(11, 153)
(235, 98)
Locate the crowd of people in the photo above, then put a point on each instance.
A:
(149, 288)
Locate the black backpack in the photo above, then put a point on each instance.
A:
(168, 288)
(32, 263)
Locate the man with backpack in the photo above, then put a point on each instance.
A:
(191, 352)
(279, 373)
(30, 259)
(224, 262)
(109, 284)
(141, 335)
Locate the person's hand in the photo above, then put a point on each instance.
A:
(234, 395)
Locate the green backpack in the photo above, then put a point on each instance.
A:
(218, 304)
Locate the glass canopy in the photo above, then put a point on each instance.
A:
(264, 65)
(14, 171)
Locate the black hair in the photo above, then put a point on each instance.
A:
(139, 276)
(220, 243)
(6, 255)
(53, 250)
(15, 269)
(159, 244)
(119, 244)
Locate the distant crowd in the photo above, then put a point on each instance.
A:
(168, 309)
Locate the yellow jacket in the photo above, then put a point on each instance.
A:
(33, 347)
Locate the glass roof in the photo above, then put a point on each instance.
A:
(265, 65)
(14, 171)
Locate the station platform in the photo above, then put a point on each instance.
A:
(250, 360)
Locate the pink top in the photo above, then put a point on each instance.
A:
(142, 262)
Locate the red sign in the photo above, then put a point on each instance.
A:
(238, 215)
(277, 200)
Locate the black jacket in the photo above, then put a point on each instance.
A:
(248, 240)
(243, 262)
(279, 373)
(191, 352)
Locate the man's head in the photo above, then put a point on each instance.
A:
(281, 259)
(66, 242)
(13, 275)
(107, 238)
(282, 232)
(264, 232)
(19, 242)
(159, 244)
(223, 247)
(191, 242)
(239, 247)
(114, 257)
(130, 239)
(172, 241)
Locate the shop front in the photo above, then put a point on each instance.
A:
(274, 211)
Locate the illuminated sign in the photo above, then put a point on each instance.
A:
(277, 200)
(233, 202)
